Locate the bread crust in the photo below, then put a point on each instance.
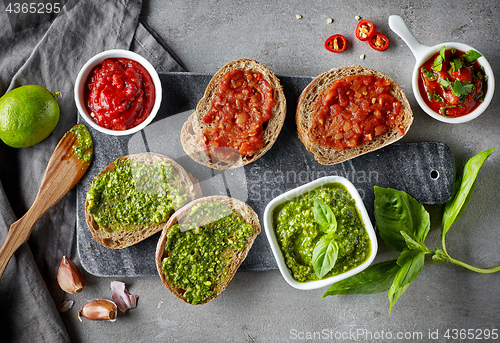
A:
(246, 213)
(311, 94)
(120, 239)
(192, 130)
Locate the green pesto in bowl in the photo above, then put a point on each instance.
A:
(297, 232)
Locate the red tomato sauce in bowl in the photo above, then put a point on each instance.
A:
(354, 110)
(239, 113)
(119, 94)
(452, 83)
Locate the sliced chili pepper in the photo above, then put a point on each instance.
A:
(379, 42)
(336, 43)
(365, 30)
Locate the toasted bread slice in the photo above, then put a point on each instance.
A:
(232, 260)
(192, 133)
(117, 239)
(311, 94)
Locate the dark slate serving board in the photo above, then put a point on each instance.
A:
(424, 170)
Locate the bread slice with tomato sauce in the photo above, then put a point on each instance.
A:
(131, 233)
(195, 133)
(231, 258)
(308, 105)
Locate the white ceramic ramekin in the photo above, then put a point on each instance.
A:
(96, 60)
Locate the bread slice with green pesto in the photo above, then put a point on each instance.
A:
(202, 246)
(195, 138)
(132, 197)
(307, 108)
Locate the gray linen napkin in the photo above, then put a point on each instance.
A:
(51, 55)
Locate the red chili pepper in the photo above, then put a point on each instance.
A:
(379, 42)
(365, 30)
(336, 43)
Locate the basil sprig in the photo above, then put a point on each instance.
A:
(326, 250)
(463, 188)
(403, 224)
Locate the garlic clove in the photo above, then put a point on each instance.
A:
(69, 277)
(99, 310)
(65, 306)
(121, 296)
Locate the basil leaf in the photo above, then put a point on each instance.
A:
(482, 73)
(324, 216)
(456, 64)
(429, 74)
(442, 53)
(413, 244)
(438, 63)
(374, 279)
(396, 211)
(408, 272)
(324, 255)
(464, 186)
(444, 83)
(471, 56)
(405, 256)
(435, 96)
(444, 108)
(480, 81)
(458, 88)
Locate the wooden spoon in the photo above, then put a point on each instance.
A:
(69, 161)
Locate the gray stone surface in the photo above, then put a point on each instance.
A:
(261, 306)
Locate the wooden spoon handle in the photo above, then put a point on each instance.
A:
(19, 233)
(64, 170)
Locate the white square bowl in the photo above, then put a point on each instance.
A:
(278, 254)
